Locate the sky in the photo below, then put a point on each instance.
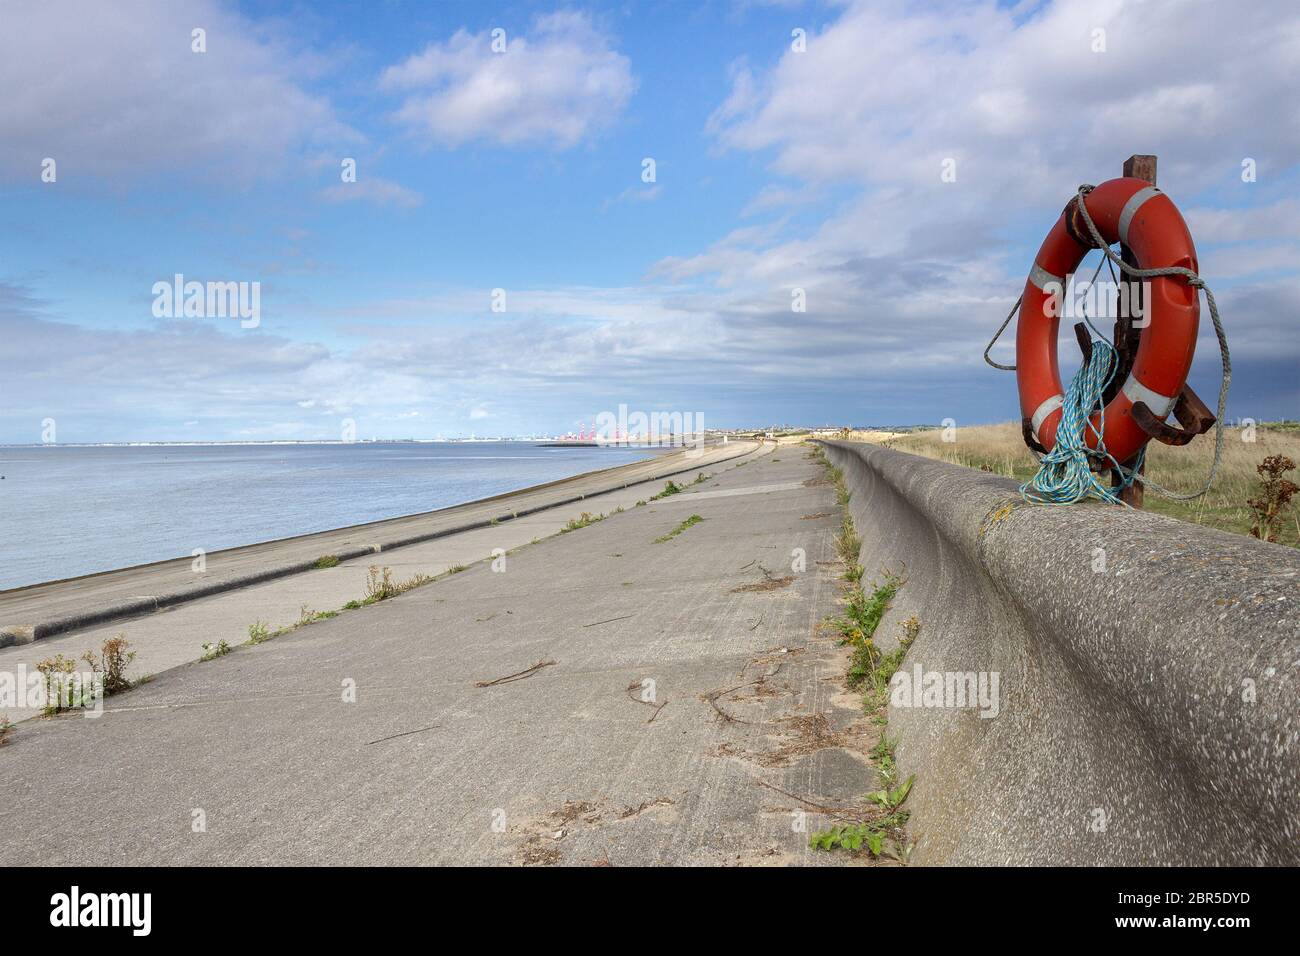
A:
(561, 209)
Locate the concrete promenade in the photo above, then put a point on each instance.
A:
(684, 711)
(172, 634)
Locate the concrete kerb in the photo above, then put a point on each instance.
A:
(11, 635)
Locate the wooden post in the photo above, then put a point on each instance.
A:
(1128, 338)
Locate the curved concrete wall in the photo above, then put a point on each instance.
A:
(1148, 705)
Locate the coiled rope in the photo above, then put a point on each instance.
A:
(1065, 474)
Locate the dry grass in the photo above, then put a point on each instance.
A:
(999, 449)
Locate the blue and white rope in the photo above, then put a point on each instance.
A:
(1065, 473)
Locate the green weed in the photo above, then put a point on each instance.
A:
(689, 522)
(212, 651)
(582, 521)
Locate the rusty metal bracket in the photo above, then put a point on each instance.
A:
(1027, 433)
(1085, 342)
(1189, 411)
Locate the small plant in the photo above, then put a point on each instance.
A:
(862, 611)
(307, 616)
(882, 754)
(456, 568)
(670, 488)
(689, 522)
(892, 799)
(641, 504)
(113, 660)
(847, 542)
(379, 584)
(327, 561)
(61, 689)
(258, 632)
(871, 833)
(851, 837)
(888, 664)
(1276, 492)
(212, 651)
(587, 518)
(5, 728)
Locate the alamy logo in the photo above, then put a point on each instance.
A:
(663, 429)
(923, 688)
(1079, 298)
(103, 909)
(208, 300)
(52, 690)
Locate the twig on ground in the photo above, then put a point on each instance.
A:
(638, 685)
(405, 733)
(625, 617)
(527, 672)
(809, 803)
(712, 699)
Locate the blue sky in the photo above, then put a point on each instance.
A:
(776, 168)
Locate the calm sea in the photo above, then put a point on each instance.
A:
(66, 511)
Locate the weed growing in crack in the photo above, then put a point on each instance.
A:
(585, 519)
(111, 664)
(689, 522)
(379, 583)
(212, 651)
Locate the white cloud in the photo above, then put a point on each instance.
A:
(372, 189)
(634, 194)
(554, 86)
(889, 89)
(118, 93)
(912, 274)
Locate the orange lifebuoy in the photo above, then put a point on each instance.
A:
(1144, 219)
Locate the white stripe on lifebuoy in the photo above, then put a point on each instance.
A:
(1040, 414)
(1160, 405)
(1040, 277)
(1130, 210)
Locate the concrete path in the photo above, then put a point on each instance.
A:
(263, 757)
(174, 635)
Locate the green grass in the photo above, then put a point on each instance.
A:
(688, 523)
(999, 449)
(327, 561)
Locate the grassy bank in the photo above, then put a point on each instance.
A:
(999, 449)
